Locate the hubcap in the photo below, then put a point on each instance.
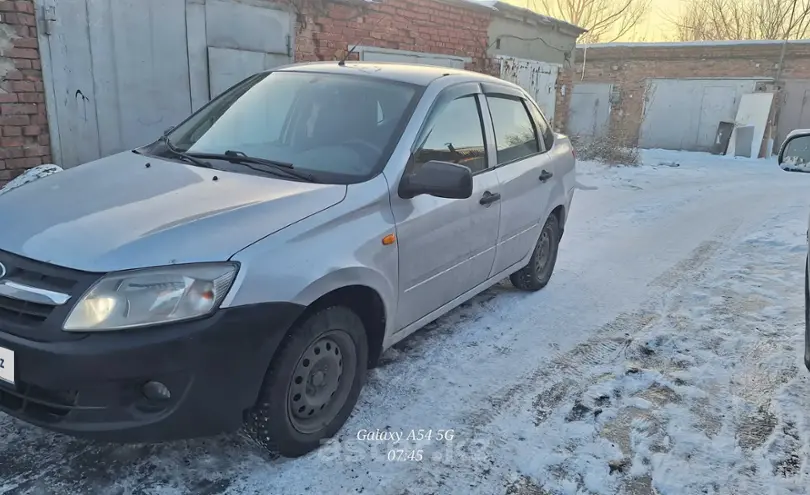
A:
(320, 382)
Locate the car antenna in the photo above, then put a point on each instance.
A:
(342, 62)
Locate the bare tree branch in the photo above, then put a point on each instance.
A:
(605, 20)
(742, 20)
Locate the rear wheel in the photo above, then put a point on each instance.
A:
(537, 273)
(312, 384)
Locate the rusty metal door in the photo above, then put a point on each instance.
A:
(794, 112)
(589, 111)
(537, 78)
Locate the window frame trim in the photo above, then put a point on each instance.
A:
(520, 98)
(451, 93)
(546, 122)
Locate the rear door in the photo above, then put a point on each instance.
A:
(523, 168)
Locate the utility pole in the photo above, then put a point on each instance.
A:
(778, 82)
(778, 97)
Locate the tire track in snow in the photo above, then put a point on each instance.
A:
(740, 326)
(608, 341)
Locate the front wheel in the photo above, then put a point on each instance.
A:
(806, 315)
(537, 273)
(312, 385)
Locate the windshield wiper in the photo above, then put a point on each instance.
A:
(267, 166)
(183, 155)
(241, 154)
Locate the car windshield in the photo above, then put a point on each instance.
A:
(335, 127)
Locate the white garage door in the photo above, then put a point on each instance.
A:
(683, 114)
(372, 54)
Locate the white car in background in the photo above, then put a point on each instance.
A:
(795, 157)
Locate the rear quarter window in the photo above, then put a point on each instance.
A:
(543, 127)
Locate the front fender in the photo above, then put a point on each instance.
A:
(31, 175)
(354, 275)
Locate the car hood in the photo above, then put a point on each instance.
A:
(132, 211)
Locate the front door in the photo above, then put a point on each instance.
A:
(524, 170)
(447, 246)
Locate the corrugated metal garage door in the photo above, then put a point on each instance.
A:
(795, 109)
(119, 72)
(589, 110)
(683, 114)
(373, 54)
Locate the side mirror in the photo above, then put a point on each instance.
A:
(795, 153)
(440, 179)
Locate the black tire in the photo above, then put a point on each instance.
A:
(326, 352)
(537, 273)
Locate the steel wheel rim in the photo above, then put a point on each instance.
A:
(543, 253)
(321, 381)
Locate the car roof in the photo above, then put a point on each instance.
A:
(421, 75)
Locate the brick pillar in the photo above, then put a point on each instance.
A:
(564, 88)
(24, 139)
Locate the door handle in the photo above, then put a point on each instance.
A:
(488, 198)
(546, 175)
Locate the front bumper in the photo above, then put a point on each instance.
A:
(93, 387)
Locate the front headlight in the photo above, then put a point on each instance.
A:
(151, 296)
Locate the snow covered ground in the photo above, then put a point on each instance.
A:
(664, 357)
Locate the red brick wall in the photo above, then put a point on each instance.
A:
(24, 140)
(629, 67)
(413, 25)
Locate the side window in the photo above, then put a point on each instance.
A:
(543, 127)
(515, 135)
(455, 134)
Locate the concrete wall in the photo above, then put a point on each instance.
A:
(629, 66)
(519, 39)
(23, 119)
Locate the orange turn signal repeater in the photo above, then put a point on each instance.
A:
(389, 239)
